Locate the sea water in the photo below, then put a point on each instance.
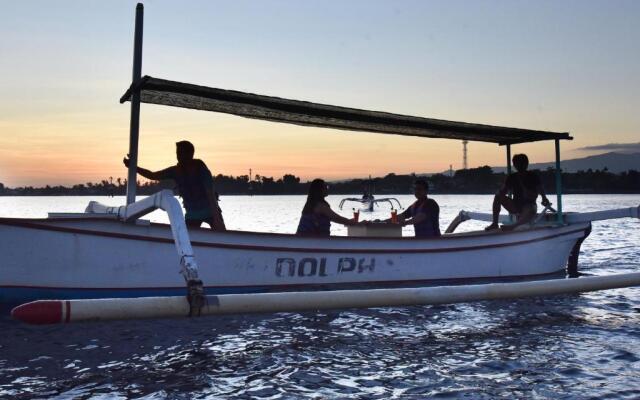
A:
(574, 346)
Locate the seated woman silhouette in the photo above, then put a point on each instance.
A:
(316, 215)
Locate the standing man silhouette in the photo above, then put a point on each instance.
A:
(195, 184)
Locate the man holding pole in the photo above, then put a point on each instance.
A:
(195, 184)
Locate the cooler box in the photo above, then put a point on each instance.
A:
(375, 230)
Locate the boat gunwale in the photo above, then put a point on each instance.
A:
(110, 218)
(41, 225)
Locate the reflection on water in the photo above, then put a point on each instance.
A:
(585, 346)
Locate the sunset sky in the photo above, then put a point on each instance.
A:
(551, 65)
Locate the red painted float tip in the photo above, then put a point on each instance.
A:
(39, 312)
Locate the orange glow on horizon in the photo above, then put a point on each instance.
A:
(88, 146)
(229, 145)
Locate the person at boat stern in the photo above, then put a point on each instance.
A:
(195, 184)
(317, 215)
(423, 214)
(525, 186)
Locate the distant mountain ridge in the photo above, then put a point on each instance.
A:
(614, 162)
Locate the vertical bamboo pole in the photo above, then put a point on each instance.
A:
(558, 182)
(134, 127)
(511, 218)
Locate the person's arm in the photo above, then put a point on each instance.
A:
(415, 220)
(401, 217)
(426, 211)
(540, 189)
(333, 216)
(154, 176)
(504, 189)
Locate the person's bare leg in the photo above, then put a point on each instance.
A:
(191, 223)
(218, 222)
(527, 215)
(498, 202)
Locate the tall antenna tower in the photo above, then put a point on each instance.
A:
(464, 154)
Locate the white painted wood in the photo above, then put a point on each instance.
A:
(375, 230)
(159, 307)
(165, 201)
(631, 212)
(107, 254)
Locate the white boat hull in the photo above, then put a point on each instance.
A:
(94, 258)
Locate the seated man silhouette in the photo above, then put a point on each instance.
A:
(423, 214)
(525, 187)
(195, 184)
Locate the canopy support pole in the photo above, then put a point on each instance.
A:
(134, 127)
(511, 219)
(558, 183)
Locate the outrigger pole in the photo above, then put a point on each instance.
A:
(134, 128)
(64, 311)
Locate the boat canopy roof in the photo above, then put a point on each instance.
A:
(276, 109)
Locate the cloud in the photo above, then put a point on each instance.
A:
(625, 147)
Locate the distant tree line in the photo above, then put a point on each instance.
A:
(480, 180)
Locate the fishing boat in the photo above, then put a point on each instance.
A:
(368, 201)
(110, 252)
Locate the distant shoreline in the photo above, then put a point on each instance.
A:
(379, 195)
(482, 180)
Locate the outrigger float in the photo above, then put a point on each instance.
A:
(107, 263)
